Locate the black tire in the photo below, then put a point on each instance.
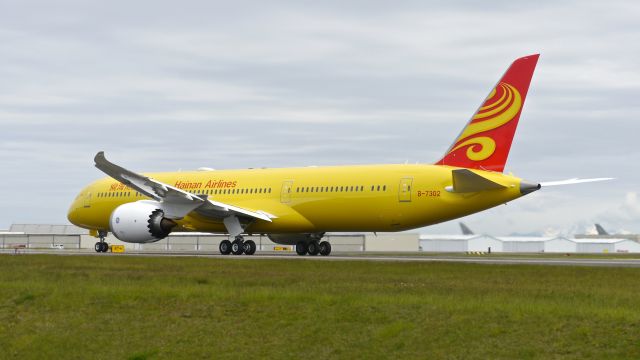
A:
(237, 247)
(98, 247)
(249, 247)
(225, 247)
(301, 248)
(325, 248)
(105, 247)
(313, 248)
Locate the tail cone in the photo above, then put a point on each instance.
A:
(527, 188)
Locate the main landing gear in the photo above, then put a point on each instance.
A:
(238, 247)
(101, 246)
(313, 248)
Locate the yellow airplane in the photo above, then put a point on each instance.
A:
(297, 206)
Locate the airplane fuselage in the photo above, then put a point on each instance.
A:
(311, 199)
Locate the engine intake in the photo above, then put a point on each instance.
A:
(140, 222)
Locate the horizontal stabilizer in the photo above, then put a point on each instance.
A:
(466, 181)
(572, 181)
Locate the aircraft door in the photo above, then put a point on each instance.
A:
(404, 191)
(285, 194)
(87, 200)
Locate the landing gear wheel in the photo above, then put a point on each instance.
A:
(325, 248)
(301, 248)
(313, 248)
(225, 247)
(237, 246)
(249, 247)
(101, 246)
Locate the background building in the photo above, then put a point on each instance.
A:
(72, 237)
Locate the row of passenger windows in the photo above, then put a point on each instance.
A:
(304, 189)
(319, 189)
(232, 191)
(203, 192)
(116, 194)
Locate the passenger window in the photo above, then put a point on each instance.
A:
(378, 187)
(384, 188)
(372, 187)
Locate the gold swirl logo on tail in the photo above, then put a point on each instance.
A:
(502, 105)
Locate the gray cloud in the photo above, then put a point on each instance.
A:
(165, 86)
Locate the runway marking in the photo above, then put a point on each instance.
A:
(363, 257)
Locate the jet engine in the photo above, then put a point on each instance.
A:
(140, 222)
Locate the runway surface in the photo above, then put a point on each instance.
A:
(502, 259)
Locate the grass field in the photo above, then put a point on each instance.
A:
(63, 307)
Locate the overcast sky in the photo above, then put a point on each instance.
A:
(162, 86)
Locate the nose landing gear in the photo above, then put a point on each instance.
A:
(102, 245)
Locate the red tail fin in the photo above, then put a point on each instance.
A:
(485, 142)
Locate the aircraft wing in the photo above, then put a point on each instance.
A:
(175, 202)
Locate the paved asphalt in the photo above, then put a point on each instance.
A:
(478, 259)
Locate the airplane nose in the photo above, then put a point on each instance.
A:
(73, 213)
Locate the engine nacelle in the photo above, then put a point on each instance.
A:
(140, 222)
(293, 239)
